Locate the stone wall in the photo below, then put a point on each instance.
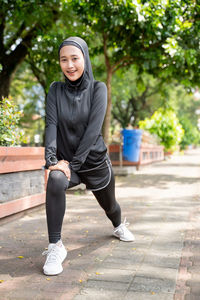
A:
(21, 184)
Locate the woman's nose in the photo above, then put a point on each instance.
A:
(70, 64)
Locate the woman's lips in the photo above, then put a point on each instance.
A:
(71, 73)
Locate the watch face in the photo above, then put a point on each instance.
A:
(53, 160)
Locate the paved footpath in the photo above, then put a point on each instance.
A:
(162, 205)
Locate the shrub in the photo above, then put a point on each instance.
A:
(10, 133)
(165, 124)
(191, 133)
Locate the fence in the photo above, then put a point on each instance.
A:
(149, 153)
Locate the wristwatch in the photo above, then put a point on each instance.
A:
(53, 160)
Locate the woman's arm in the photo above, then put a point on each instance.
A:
(51, 136)
(93, 130)
(51, 127)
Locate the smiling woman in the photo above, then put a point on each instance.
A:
(75, 151)
(71, 62)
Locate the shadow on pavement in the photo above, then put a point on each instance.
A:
(156, 180)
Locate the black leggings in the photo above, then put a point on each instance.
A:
(55, 203)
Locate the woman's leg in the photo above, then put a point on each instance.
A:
(55, 204)
(107, 200)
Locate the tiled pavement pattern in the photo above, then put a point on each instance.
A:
(162, 204)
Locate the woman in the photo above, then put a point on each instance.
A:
(74, 148)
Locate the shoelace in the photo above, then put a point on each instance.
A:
(124, 224)
(52, 254)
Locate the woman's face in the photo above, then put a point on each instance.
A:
(71, 62)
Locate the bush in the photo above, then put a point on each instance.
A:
(165, 124)
(10, 133)
(191, 133)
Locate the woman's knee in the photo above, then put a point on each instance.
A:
(57, 181)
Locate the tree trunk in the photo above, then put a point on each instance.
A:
(107, 119)
(111, 69)
(5, 80)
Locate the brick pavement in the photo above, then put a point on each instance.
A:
(161, 202)
(188, 283)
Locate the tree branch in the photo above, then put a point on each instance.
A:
(133, 102)
(156, 90)
(15, 36)
(144, 94)
(118, 63)
(122, 63)
(121, 121)
(38, 74)
(107, 61)
(17, 55)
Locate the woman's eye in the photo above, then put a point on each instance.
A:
(75, 58)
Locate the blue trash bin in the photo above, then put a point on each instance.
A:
(131, 144)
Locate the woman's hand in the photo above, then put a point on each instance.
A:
(62, 165)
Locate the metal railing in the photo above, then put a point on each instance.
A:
(149, 153)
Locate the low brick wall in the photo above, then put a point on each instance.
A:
(21, 184)
(22, 179)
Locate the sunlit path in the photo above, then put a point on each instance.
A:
(161, 203)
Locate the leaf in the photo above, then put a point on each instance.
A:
(48, 279)
(1, 281)
(98, 273)
(20, 256)
(80, 280)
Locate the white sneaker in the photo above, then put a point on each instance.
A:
(56, 254)
(123, 233)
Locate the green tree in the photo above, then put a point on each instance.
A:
(191, 133)
(20, 23)
(156, 36)
(185, 106)
(135, 97)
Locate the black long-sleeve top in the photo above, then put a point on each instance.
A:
(74, 120)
